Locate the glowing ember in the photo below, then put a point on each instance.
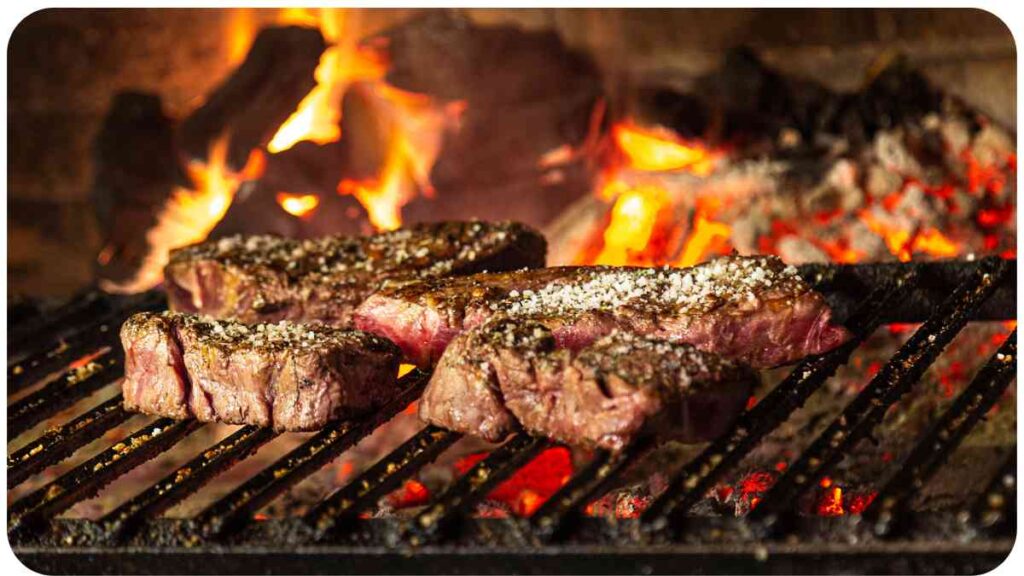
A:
(300, 205)
(532, 484)
(831, 503)
(412, 493)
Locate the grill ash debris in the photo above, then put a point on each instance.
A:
(729, 280)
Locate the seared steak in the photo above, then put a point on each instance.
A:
(753, 309)
(605, 395)
(288, 376)
(268, 278)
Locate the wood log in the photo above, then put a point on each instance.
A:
(258, 97)
(136, 171)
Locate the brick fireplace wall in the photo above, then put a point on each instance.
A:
(66, 65)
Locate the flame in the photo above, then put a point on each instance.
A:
(241, 30)
(189, 215)
(660, 150)
(706, 234)
(639, 229)
(383, 198)
(416, 127)
(633, 217)
(300, 205)
(317, 116)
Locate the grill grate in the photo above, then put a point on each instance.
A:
(558, 537)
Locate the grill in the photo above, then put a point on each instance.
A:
(445, 536)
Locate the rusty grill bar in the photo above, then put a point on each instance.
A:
(558, 536)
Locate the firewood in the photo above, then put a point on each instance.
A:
(136, 172)
(258, 97)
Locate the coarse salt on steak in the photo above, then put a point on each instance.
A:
(286, 376)
(753, 309)
(268, 278)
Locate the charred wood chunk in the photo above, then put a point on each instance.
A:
(259, 96)
(137, 170)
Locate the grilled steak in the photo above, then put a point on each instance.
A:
(288, 376)
(268, 278)
(604, 395)
(753, 309)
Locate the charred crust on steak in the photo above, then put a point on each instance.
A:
(421, 251)
(228, 334)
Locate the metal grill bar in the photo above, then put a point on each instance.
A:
(343, 506)
(73, 385)
(698, 476)
(556, 517)
(844, 286)
(236, 508)
(59, 443)
(88, 478)
(47, 326)
(896, 378)
(892, 503)
(108, 309)
(445, 512)
(996, 509)
(185, 481)
(38, 366)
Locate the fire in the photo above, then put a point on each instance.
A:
(705, 236)
(659, 150)
(415, 127)
(189, 215)
(342, 63)
(633, 217)
(300, 205)
(640, 227)
(904, 244)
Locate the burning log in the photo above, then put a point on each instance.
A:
(258, 97)
(136, 172)
(525, 95)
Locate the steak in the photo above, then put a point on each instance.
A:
(267, 278)
(753, 309)
(508, 373)
(285, 376)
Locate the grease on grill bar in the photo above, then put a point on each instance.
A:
(73, 385)
(86, 480)
(56, 444)
(184, 481)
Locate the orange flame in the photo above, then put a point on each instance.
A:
(300, 205)
(189, 215)
(659, 150)
(317, 117)
(633, 218)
